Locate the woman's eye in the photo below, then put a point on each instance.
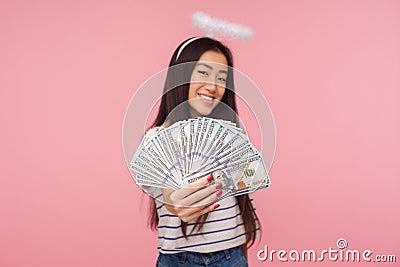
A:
(222, 79)
(202, 72)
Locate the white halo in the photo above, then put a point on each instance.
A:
(212, 26)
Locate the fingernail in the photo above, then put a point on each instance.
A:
(209, 178)
(216, 206)
(218, 186)
(219, 193)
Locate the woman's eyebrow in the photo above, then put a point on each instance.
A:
(210, 67)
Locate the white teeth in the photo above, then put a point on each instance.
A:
(206, 97)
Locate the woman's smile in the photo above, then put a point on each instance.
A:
(206, 98)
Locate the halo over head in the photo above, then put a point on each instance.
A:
(214, 27)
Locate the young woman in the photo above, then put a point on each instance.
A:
(193, 230)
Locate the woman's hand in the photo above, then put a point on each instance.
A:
(194, 200)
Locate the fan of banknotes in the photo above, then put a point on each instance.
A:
(187, 150)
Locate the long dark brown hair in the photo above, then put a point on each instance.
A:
(175, 93)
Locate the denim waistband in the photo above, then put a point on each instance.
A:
(205, 258)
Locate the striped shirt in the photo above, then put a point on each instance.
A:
(223, 228)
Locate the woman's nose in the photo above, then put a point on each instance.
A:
(210, 86)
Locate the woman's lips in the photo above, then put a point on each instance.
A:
(208, 100)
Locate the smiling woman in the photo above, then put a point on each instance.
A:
(193, 230)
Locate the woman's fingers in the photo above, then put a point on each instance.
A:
(210, 198)
(186, 211)
(194, 200)
(200, 182)
(182, 193)
(204, 196)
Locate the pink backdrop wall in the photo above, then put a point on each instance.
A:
(329, 69)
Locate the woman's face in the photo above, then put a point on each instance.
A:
(207, 83)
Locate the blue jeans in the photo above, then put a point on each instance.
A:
(232, 257)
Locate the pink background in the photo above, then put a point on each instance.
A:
(329, 69)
